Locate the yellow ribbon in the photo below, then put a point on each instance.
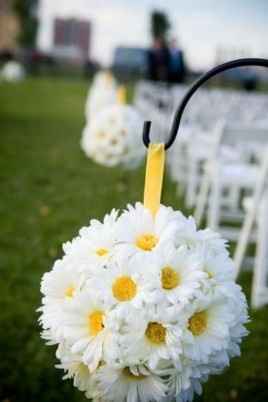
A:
(154, 177)
(122, 95)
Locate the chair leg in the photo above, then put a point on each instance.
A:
(202, 199)
(214, 203)
(246, 229)
(243, 240)
(251, 217)
(234, 198)
(191, 185)
(260, 273)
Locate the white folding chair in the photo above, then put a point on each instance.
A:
(251, 205)
(256, 216)
(226, 175)
(259, 291)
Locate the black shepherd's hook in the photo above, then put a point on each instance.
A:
(205, 77)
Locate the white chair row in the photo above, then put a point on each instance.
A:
(256, 216)
(217, 164)
(224, 173)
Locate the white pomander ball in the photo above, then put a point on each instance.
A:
(12, 71)
(102, 93)
(113, 137)
(143, 308)
(104, 79)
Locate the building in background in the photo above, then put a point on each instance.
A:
(9, 27)
(71, 39)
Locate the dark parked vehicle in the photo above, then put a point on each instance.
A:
(130, 62)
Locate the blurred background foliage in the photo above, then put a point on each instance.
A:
(26, 10)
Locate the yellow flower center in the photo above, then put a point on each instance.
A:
(124, 288)
(102, 251)
(169, 278)
(146, 241)
(69, 292)
(95, 322)
(127, 373)
(156, 333)
(197, 324)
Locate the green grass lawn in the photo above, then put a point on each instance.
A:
(48, 191)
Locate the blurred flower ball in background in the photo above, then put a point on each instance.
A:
(104, 79)
(143, 308)
(113, 137)
(102, 93)
(12, 71)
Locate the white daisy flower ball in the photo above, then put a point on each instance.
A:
(102, 93)
(143, 308)
(12, 71)
(104, 79)
(113, 137)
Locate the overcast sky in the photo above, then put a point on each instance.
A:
(200, 25)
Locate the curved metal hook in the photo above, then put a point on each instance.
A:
(205, 77)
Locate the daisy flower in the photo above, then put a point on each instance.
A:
(124, 281)
(62, 283)
(238, 304)
(85, 329)
(212, 241)
(179, 273)
(219, 268)
(153, 337)
(207, 329)
(75, 369)
(177, 379)
(95, 245)
(188, 234)
(59, 287)
(139, 231)
(128, 385)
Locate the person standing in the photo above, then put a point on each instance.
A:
(176, 65)
(159, 61)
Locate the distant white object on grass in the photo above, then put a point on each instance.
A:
(104, 79)
(12, 72)
(113, 136)
(102, 93)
